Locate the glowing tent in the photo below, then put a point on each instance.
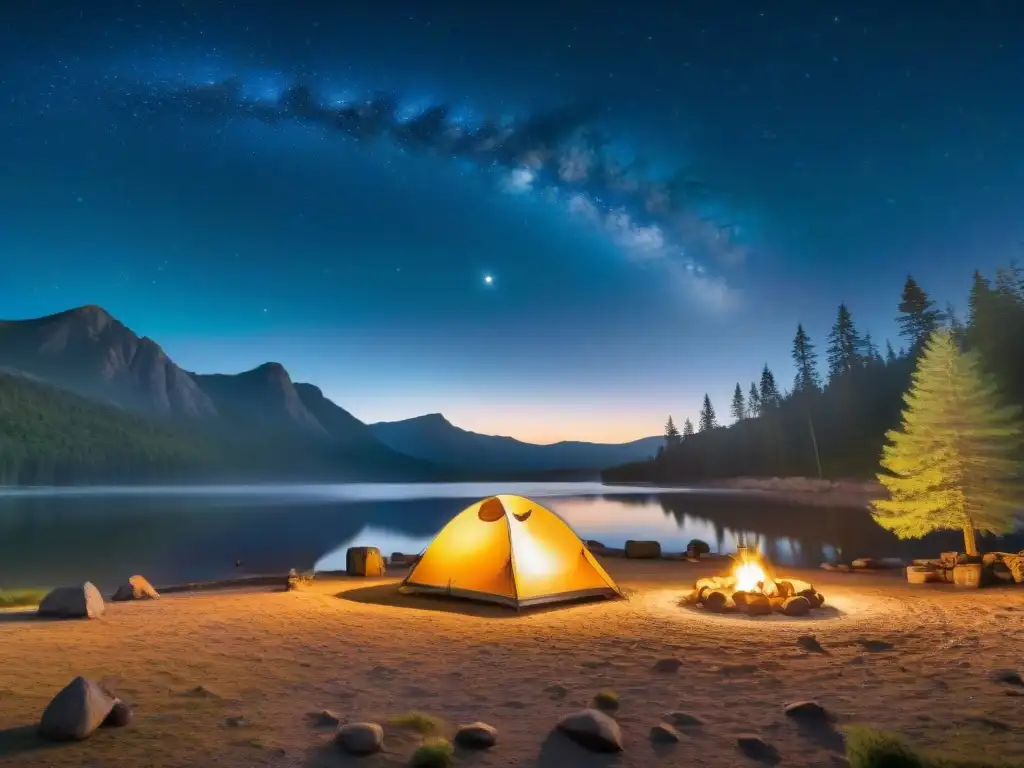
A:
(509, 550)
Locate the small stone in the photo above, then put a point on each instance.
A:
(235, 721)
(808, 711)
(360, 738)
(756, 748)
(557, 691)
(796, 606)
(74, 713)
(667, 665)
(662, 733)
(592, 730)
(718, 602)
(758, 605)
(1008, 676)
(477, 736)
(325, 718)
(683, 719)
(136, 588)
(810, 643)
(120, 715)
(811, 597)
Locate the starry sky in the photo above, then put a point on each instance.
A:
(658, 191)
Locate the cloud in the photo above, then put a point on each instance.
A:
(557, 153)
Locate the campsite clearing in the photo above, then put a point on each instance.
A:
(232, 677)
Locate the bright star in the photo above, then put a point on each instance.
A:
(488, 279)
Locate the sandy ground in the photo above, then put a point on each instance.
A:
(913, 660)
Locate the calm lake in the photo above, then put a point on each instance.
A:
(178, 534)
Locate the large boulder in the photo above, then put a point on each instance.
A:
(364, 561)
(593, 730)
(643, 549)
(136, 588)
(477, 736)
(79, 602)
(78, 710)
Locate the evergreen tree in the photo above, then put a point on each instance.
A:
(871, 355)
(707, 416)
(953, 464)
(918, 317)
(843, 345)
(770, 397)
(890, 355)
(806, 362)
(956, 326)
(739, 408)
(753, 401)
(672, 437)
(977, 299)
(687, 428)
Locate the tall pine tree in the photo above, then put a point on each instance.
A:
(672, 436)
(707, 416)
(770, 397)
(954, 462)
(806, 362)
(890, 355)
(753, 401)
(843, 345)
(918, 317)
(739, 407)
(687, 428)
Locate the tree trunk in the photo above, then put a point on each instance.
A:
(970, 542)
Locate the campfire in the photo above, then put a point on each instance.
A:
(752, 588)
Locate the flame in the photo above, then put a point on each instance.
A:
(750, 577)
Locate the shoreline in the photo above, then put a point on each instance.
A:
(796, 490)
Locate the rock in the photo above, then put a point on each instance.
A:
(643, 549)
(756, 748)
(667, 665)
(78, 602)
(78, 710)
(360, 738)
(592, 730)
(718, 602)
(683, 719)
(796, 606)
(758, 605)
(477, 736)
(1008, 676)
(119, 716)
(591, 544)
(777, 603)
(785, 588)
(556, 691)
(136, 588)
(808, 711)
(740, 598)
(696, 548)
(235, 721)
(864, 563)
(364, 561)
(812, 597)
(325, 718)
(662, 733)
(810, 643)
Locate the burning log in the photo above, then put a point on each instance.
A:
(752, 588)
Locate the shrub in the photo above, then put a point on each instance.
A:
(435, 753)
(422, 723)
(607, 700)
(10, 598)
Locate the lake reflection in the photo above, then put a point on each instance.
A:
(173, 535)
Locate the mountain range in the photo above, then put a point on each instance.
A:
(148, 417)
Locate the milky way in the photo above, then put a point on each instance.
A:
(560, 154)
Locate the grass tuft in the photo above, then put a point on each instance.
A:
(435, 753)
(11, 598)
(422, 723)
(606, 700)
(868, 748)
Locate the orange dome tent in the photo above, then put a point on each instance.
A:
(510, 550)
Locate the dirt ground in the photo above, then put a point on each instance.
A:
(913, 660)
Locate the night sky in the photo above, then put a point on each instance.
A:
(659, 190)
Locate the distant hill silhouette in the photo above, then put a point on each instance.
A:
(435, 437)
(85, 400)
